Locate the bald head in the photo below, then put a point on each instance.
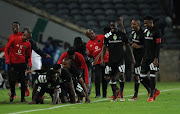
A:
(90, 34)
(66, 63)
(135, 25)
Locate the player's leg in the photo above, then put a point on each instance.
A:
(12, 80)
(154, 91)
(145, 81)
(121, 69)
(41, 89)
(137, 70)
(104, 83)
(98, 77)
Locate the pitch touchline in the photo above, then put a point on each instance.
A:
(82, 103)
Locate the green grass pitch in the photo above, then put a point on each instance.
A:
(168, 102)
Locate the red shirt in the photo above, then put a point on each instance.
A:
(95, 47)
(2, 49)
(18, 49)
(80, 63)
(14, 35)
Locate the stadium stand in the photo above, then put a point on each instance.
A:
(96, 14)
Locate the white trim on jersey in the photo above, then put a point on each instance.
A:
(122, 68)
(152, 67)
(138, 70)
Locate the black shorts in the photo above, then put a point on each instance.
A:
(113, 68)
(147, 65)
(137, 68)
(16, 72)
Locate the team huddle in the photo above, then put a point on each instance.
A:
(69, 79)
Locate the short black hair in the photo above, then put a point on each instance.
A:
(26, 29)
(106, 29)
(16, 23)
(71, 51)
(78, 40)
(51, 74)
(148, 18)
(56, 66)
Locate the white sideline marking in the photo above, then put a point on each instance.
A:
(82, 103)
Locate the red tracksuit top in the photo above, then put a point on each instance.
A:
(95, 47)
(80, 63)
(10, 37)
(18, 49)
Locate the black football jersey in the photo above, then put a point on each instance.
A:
(115, 44)
(151, 43)
(138, 38)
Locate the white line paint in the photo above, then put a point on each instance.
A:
(83, 103)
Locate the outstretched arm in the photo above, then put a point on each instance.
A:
(72, 91)
(130, 50)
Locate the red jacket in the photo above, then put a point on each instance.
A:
(80, 63)
(18, 49)
(14, 35)
(95, 47)
(2, 49)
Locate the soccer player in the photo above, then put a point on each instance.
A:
(94, 48)
(150, 58)
(77, 79)
(18, 46)
(80, 64)
(115, 40)
(55, 81)
(80, 47)
(138, 45)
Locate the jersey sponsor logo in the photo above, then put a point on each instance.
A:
(97, 48)
(115, 41)
(19, 52)
(135, 40)
(149, 38)
(158, 40)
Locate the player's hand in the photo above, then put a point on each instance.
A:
(134, 45)
(32, 102)
(87, 52)
(29, 71)
(155, 62)
(121, 21)
(48, 56)
(133, 61)
(95, 60)
(102, 62)
(88, 100)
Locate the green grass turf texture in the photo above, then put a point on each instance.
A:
(168, 102)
